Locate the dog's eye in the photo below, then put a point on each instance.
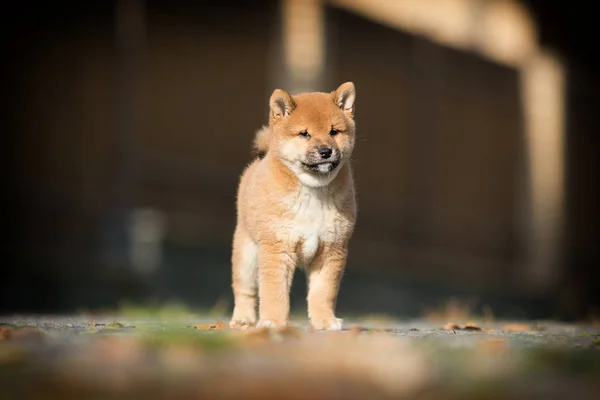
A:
(304, 134)
(334, 132)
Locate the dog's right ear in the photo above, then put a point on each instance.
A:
(281, 104)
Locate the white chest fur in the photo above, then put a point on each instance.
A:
(312, 219)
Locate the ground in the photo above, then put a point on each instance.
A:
(173, 354)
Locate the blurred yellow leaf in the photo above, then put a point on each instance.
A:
(204, 327)
(220, 326)
(450, 326)
(469, 326)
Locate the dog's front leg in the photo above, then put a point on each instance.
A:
(324, 277)
(276, 271)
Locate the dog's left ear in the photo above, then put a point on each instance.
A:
(344, 98)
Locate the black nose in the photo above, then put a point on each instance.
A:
(325, 152)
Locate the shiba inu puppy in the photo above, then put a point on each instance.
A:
(296, 208)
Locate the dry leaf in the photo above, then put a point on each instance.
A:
(220, 326)
(204, 327)
(516, 327)
(470, 326)
(450, 326)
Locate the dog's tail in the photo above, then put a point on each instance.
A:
(262, 138)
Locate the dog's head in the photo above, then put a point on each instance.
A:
(313, 133)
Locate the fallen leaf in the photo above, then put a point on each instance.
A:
(516, 327)
(220, 326)
(470, 326)
(450, 326)
(204, 327)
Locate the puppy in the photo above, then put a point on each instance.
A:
(296, 207)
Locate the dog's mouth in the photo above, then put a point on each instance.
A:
(322, 167)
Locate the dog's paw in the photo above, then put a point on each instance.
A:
(271, 323)
(327, 324)
(242, 323)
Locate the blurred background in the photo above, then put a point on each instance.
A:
(129, 123)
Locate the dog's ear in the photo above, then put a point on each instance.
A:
(344, 97)
(281, 104)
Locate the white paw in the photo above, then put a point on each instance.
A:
(241, 323)
(270, 323)
(327, 324)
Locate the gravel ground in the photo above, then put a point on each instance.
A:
(189, 356)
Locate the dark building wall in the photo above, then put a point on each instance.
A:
(98, 128)
(439, 156)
